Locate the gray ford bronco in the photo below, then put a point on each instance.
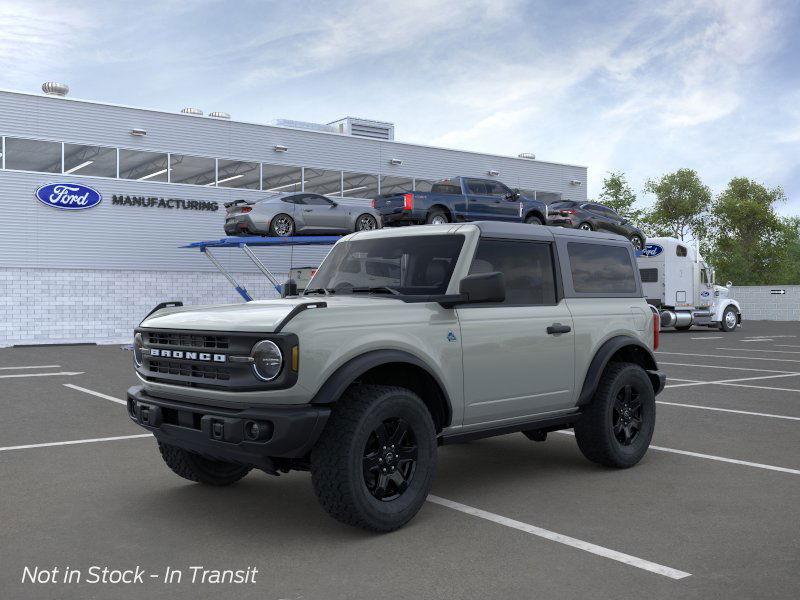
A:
(405, 340)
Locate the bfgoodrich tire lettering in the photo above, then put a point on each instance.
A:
(617, 426)
(197, 468)
(343, 461)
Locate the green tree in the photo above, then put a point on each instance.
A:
(617, 194)
(750, 243)
(681, 205)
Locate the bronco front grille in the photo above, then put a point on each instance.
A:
(188, 340)
(187, 369)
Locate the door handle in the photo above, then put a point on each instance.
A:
(558, 328)
(308, 210)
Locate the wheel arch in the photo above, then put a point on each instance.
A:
(620, 348)
(444, 208)
(391, 367)
(535, 212)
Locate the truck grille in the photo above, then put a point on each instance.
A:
(187, 340)
(187, 369)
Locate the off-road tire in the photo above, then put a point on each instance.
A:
(723, 325)
(533, 220)
(272, 230)
(436, 212)
(337, 460)
(197, 468)
(594, 431)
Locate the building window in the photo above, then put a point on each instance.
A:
(280, 178)
(144, 166)
(359, 185)
(33, 155)
(194, 170)
(96, 161)
(237, 174)
(423, 185)
(321, 181)
(396, 185)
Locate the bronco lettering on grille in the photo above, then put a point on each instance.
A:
(203, 356)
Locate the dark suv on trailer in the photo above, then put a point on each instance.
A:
(591, 216)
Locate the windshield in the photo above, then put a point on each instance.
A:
(409, 265)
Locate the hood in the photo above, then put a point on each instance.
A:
(260, 316)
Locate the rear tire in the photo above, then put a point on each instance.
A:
(281, 226)
(376, 458)
(730, 320)
(436, 216)
(586, 227)
(533, 220)
(197, 468)
(366, 222)
(616, 428)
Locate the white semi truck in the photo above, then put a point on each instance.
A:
(678, 282)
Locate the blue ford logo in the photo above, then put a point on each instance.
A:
(68, 196)
(651, 250)
(705, 294)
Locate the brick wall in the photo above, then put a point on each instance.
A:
(51, 306)
(759, 304)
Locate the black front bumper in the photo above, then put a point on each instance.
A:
(284, 431)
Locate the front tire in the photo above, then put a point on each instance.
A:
(281, 226)
(197, 468)
(729, 320)
(616, 428)
(376, 458)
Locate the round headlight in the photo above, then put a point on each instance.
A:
(267, 360)
(138, 343)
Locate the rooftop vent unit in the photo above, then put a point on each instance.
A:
(51, 88)
(219, 115)
(527, 155)
(192, 111)
(376, 130)
(303, 125)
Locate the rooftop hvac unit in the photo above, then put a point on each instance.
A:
(527, 155)
(219, 115)
(51, 88)
(303, 125)
(377, 130)
(192, 111)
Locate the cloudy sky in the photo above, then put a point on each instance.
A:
(641, 87)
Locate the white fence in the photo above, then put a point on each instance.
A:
(768, 302)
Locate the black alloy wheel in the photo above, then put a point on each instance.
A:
(627, 415)
(366, 223)
(390, 459)
(282, 226)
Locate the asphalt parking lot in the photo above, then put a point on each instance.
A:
(711, 512)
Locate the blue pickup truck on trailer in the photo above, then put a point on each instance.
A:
(461, 199)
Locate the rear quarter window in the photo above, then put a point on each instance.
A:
(601, 269)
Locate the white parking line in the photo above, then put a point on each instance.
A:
(787, 346)
(41, 374)
(730, 410)
(759, 340)
(72, 442)
(730, 381)
(733, 461)
(31, 367)
(562, 539)
(761, 387)
(724, 367)
(759, 350)
(710, 337)
(721, 356)
(93, 393)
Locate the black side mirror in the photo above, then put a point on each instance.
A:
(289, 288)
(334, 204)
(483, 287)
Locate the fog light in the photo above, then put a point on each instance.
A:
(252, 430)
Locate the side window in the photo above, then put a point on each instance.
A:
(681, 251)
(526, 266)
(476, 186)
(601, 269)
(446, 186)
(293, 200)
(316, 200)
(495, 188)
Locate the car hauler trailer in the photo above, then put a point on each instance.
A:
(678, 282)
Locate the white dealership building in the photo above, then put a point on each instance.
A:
(90, 275)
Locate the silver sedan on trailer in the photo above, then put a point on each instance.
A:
(298, 213)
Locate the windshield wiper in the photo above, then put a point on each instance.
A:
(376, 290)
(324, 291)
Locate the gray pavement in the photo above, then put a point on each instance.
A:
(733, 526)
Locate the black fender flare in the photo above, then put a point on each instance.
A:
(601, 358)
(346, 374)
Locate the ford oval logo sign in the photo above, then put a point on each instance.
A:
(651, 250)
(68, 196)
